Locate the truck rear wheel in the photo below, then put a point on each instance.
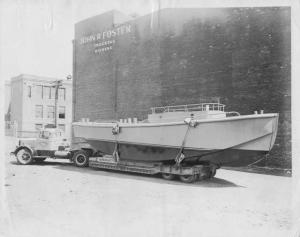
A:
(81, 159)
(24, 156)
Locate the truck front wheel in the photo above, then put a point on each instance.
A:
(24, 156)
(81, 158)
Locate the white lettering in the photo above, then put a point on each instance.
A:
(104, 34)
(113, 33)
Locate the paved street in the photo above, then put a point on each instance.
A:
(58, 199)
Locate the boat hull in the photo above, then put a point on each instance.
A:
(225, 142)
(134, 152)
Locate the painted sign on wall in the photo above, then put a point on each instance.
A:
(103, 41)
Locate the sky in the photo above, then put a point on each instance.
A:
(36, 35)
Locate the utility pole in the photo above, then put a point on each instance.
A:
(57, 83)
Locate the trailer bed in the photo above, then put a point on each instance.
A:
(185, 173)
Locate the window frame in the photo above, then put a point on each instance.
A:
(64, 93)
(40, 93)
(64, 112)
(52, 92)
(41, 111)
(38, 125)
(29, 91)
(48, 111)
(44, 92)
(62, 125)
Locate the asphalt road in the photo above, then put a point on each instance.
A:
(58, 199)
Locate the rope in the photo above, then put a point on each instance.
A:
(180, 156)
(115, 132)
(116, 152)
(273, 168)
(256, 161)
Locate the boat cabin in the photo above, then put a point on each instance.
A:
(181, 112)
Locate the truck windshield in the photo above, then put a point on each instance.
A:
(45, 134)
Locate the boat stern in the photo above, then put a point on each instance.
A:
(274, 130)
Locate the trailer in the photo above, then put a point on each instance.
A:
(185, 173)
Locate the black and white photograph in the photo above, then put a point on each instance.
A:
(150, 118)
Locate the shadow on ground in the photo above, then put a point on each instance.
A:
(213, 183)
(67, 166)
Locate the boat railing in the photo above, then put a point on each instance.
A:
(189, 108)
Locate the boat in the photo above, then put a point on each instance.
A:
(184, 134)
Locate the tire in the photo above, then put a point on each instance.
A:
(39, 160)
(188, 178)
(212, 174)
(81, 159)
(199, 177)
(168, 176)
(24, 156)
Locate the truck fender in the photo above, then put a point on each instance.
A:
(26, 147)
(89, 151)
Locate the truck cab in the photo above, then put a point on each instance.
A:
(49, 143)
(50, 139)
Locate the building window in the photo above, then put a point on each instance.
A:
(29, 91)
(62, 93)
(39, 91)
(62, 112)
(50, 111)
(46, 91)
(38, 126)
(62, 127)
(39, 111)
(52, 93)
(49, 125)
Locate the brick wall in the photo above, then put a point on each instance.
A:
(176, 56)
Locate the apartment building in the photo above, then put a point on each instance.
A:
(33, 105)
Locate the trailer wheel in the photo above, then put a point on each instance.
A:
(81, 158)
(168, 176)
(188, 178)
(24, 156)
(212, 173)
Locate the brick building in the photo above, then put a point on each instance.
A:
(123, 66)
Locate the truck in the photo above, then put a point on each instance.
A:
(51, 143)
